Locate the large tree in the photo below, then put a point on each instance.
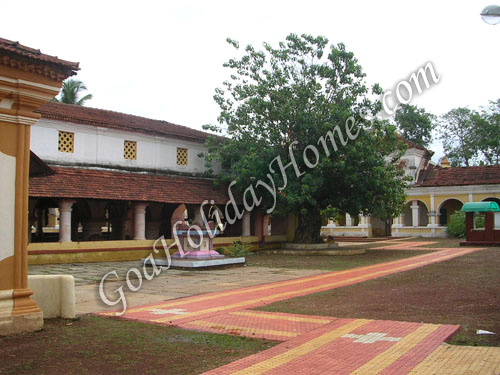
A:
(459, 136)
(488, 133)
(71, 91)
(297, 102)
(415, 124)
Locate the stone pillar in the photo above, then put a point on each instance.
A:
(27, 80)
(52, 216)
(348, 220)
(246, 224)
(140, 221)
(31, 222)
(259, 225)
(65, 208)
(365, 225)
(414, 213)
(197, 216)
(398, 222)
(265, 226)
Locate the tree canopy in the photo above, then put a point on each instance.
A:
(470, 137)
(285, 115)
(71, 91)
(415, 124)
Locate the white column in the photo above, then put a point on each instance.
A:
(398, 221)
(140, 221)
(267, 228)
(471, 197)
(414, 213)
(245, 224)
(65, 208)
(197, 216)
(348, 220)
(432, 214)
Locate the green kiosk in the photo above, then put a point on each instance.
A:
(489, 235)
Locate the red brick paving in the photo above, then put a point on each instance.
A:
(312, 345)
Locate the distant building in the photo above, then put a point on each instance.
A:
(436, 193)
(114, 176)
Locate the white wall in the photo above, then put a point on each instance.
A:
(104, 147)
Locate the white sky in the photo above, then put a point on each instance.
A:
(163, 60)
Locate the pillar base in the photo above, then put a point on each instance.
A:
(19, 313)
(21, 323)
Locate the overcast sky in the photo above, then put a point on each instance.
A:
(163, 60)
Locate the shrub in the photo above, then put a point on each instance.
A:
(237, 249)
(456, 226)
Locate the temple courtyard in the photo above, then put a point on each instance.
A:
(406, 306)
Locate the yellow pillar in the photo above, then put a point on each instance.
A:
(27, 80)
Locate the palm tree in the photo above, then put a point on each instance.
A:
(70, 92)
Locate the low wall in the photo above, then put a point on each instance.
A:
(107, 251)
(341, 231)
(54, 294)
(419, 232)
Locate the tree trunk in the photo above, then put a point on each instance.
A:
(309, 228)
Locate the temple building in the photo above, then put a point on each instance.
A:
(112, 183)
(436, 192)
(108, 181)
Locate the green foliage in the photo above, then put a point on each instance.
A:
(471, 137)
(456, 226)
(415, 124)
(237, 249)
(70, 92)
(292, 95)
(457, 134)
(331, 213)
(487, 133)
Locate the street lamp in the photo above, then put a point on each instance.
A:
(491, 14)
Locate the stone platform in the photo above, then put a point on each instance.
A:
(197, 263)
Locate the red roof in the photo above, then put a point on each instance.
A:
(120, 121)
(113, 185)
(26, 58)
(435, 176)
(412, 144)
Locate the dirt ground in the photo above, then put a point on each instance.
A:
(464, 290)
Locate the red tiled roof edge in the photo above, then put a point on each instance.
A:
(26, 58)
(112, 185)
(120, 121)
(412, 144)
(436, 176)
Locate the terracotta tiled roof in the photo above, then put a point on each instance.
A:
(38, 166)
(120, 121)
(414, 145)
(16, 55)
(112, 185)
(435, 176)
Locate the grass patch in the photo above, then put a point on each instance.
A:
(463, 290)
(328, 262)
(96, 345)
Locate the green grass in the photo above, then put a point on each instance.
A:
(329, 262)
(96, 345)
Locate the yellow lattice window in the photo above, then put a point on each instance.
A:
(66, 142)
(130, 150)
(182, 156)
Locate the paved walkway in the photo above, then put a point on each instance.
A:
(170, 284)
(319, 345)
